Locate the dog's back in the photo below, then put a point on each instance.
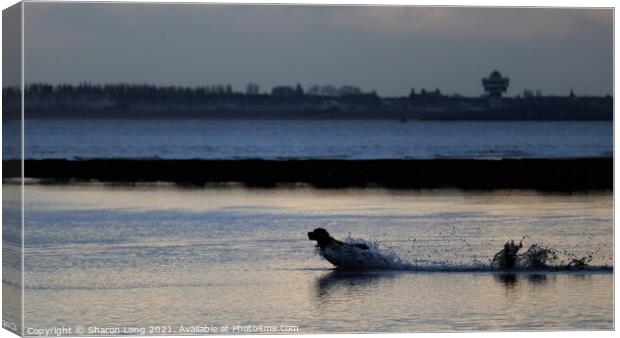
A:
(346, 255)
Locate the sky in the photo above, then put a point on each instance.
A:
(387, 49)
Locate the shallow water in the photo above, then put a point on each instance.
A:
(119, 256)
(342, 139)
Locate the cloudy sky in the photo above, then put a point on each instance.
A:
(389, 49)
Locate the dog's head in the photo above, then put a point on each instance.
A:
(320, 235)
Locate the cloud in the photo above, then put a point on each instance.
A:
(480, 23)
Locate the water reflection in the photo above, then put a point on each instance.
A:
(341, 283)
(510, 280)
(537, 279)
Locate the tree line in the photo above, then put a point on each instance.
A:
(124, 91)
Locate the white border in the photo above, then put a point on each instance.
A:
(472, 3)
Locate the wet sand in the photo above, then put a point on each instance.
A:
(541, 174)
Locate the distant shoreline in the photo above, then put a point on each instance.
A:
(455, 116)
(399, 111)
(578, 174)
(119, 101)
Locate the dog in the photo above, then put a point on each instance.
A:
(506, 258)
(342, 255)
(534, 258)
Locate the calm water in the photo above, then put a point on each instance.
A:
(115, 256)
(353, 139)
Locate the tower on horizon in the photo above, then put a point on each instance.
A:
(494, 86)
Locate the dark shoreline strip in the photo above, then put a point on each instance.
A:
(541, 174)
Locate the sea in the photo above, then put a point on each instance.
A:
(163, 259)
(310, 139)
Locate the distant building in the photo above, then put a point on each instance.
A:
(252, 89)
(494, 86)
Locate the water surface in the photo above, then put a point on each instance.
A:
(136, 256)
(334, 139)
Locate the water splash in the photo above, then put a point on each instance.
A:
(536, 258)
(539, 257)
(383, 258)
(373, 258)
